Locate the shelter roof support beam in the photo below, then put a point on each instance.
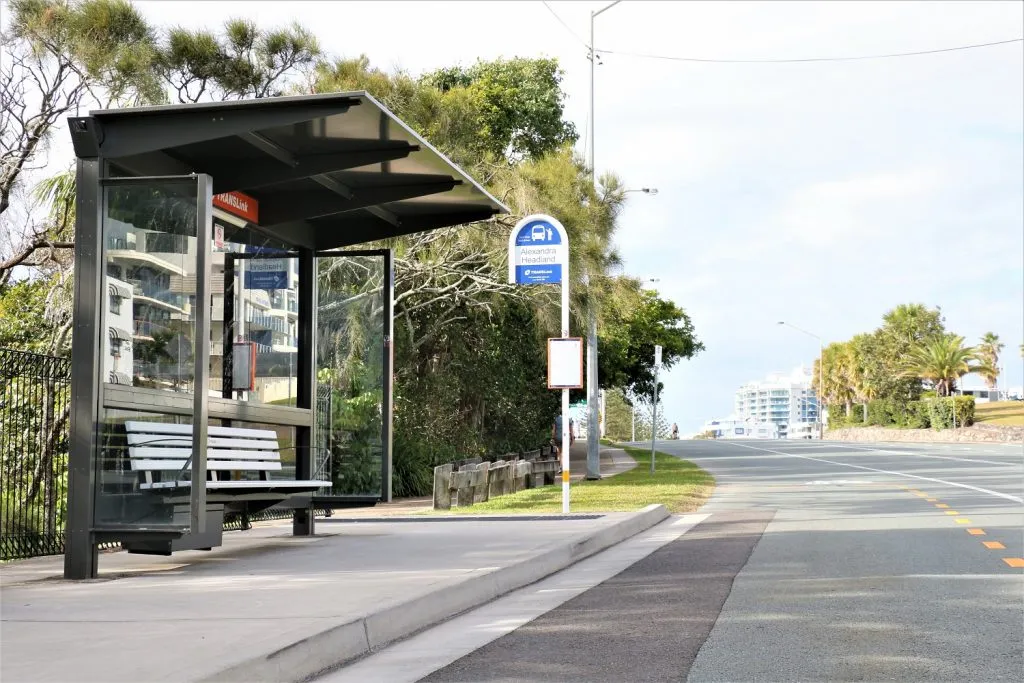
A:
(294, 206)
(257, 174)
(334, 233)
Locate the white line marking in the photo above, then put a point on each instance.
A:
(925, 455)
(898, 474)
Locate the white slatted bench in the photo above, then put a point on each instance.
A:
(160, 454)
(156, 449)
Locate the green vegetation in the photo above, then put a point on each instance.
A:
(678, 484)
(1006, 413)
(904, 374)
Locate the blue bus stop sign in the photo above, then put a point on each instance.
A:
(538, 249)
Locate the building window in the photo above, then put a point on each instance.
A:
(115, 304)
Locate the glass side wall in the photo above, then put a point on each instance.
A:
(149, 320)
(350, 373)
(150, 239)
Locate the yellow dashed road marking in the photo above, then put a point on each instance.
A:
(933, 500)
(941, 505)
(1014, 561)
(962, 520)
(994, 545)
(951, 512)
(921, 495)
(976, 532)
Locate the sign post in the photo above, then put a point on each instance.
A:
(538, 254)
(654, 406)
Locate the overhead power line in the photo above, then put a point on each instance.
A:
(798, 60)
(807, 59)
(560, 21)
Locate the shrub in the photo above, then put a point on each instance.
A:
(941, 411)
(882, 412)
(964, 410)
(916, 416)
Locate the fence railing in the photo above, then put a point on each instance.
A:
(35, 395)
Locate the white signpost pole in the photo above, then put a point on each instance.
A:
(538, 253)
(565, 392)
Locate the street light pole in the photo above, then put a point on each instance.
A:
(821, 374)
(593, 420)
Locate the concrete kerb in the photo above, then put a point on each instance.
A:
(340, 644)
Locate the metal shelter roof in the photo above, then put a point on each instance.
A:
(328, 171)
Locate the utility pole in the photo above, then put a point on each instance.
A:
(593, 434)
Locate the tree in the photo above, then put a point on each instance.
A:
(58, 56)
(942, 361)
(244, 61)
(884, 355)
(520, 110)
(832, 383)
(643, 422)
(629, 334)
(988, 353)
(618, 416)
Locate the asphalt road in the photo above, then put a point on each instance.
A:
(817, 561)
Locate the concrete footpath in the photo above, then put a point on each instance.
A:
(267, 606)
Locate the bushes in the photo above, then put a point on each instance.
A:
(917, 416)
(930, 412)
(838, 419)
(941, 411)
(884, 412)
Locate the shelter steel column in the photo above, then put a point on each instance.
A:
(200, 388)
(303, 520)
(80, 554)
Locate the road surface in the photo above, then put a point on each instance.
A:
(813, 561)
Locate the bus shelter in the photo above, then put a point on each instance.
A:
(231, 349)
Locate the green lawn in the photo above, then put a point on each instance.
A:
(678, 484)
(1009, 413)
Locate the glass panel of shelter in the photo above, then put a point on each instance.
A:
(150, 265)
(350, 411)
(149, 241)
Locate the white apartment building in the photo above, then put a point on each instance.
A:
(785, 400)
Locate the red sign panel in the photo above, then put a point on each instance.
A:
(238, 204)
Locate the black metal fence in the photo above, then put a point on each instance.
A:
(35, 393)
(35, 397)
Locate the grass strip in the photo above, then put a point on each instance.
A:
(677, 484)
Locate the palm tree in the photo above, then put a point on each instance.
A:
(942, 361)
(988, 352)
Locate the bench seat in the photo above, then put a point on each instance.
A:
(156, 450)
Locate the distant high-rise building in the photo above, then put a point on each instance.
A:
(785, 400)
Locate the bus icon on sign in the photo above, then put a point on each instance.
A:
(537, 233)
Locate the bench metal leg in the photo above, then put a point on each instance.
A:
(304, 522)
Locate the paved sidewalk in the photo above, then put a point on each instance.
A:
(613, 461)
(269, 606)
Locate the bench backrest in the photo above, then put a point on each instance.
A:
(153, 447)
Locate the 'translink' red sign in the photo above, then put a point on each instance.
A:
(238, 204)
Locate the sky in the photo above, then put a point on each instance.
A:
(819, 193)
